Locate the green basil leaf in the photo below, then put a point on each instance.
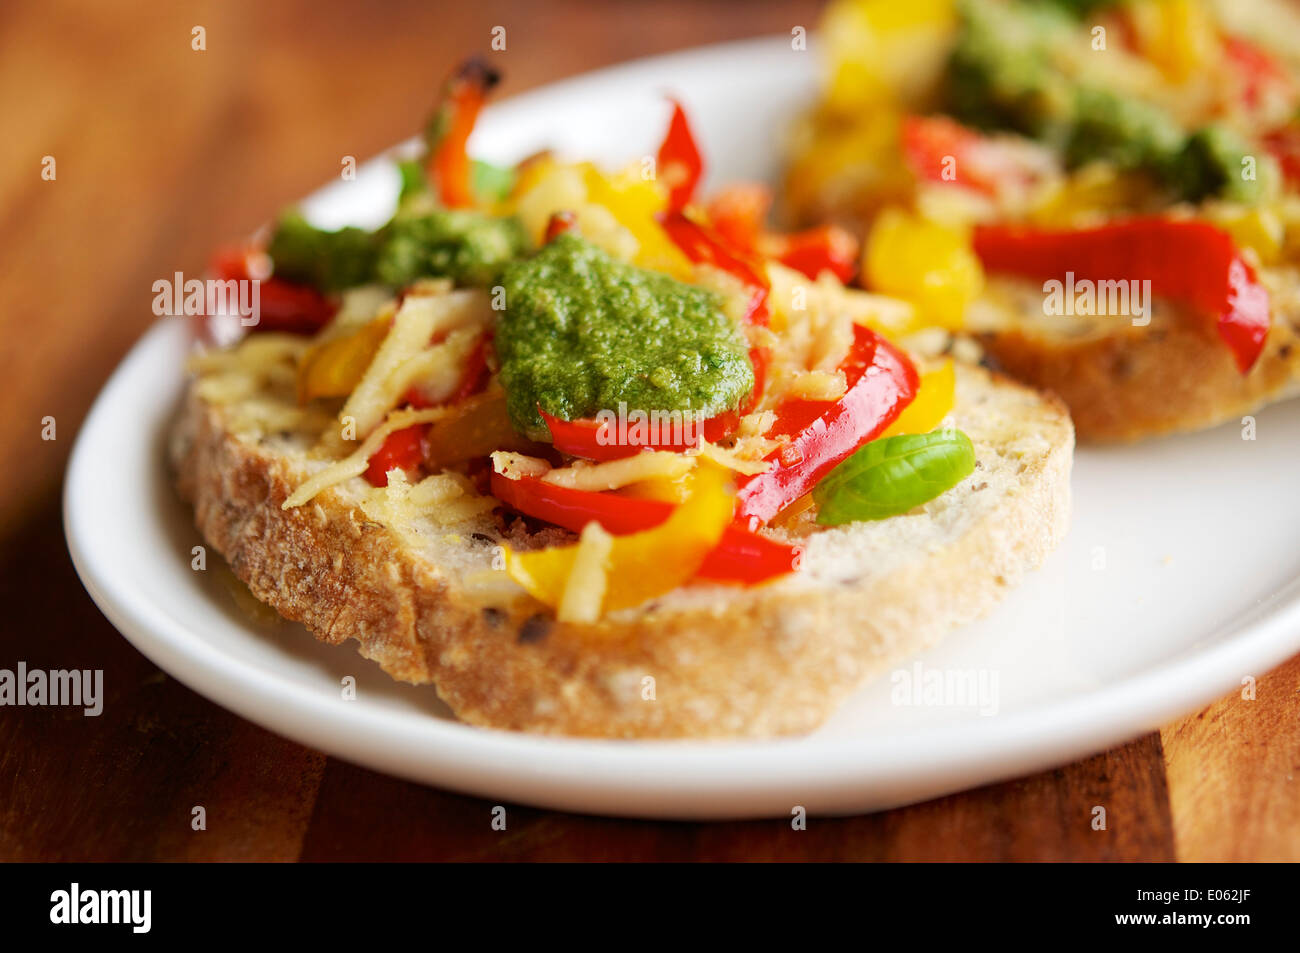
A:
(891, 476)
(413, 180)
(492, 181)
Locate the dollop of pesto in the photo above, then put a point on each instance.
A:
(326, 260)
(1004, 73)
(467, 246)
(1215, 161)
(583, 332)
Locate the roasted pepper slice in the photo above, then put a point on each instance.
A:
(401, 450)
(934, 401)
(448, 165)
(881, 382)
(641, 565)
(814, 250)
(1188, 261)
(739, 556)
(334, 368)
(408, 448)
(738, 214)
(924, 262)
(594, 440)
(679, 162)
(283, 305)
(634, 203)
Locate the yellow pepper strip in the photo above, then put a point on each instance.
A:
(634, 203)
(933, 402)
(1260, 228)
(929, 264)
(333, 369)
(1093, 191)
(528, 174)
(658, 488)
(880, 49)
(1178, 36)
(638, 566)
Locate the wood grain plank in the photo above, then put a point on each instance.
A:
(122, 785)
(361, 815)
(1234, 773)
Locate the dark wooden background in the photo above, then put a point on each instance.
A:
(163, 152)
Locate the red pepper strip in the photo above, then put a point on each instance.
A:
(738, 212)
(473, 378)
(740, 556)
(881, 382)
(404, 448)
(476, 373)
(825, 248)
(282, 305)
(705, 247)
(939, 149)
(1284, 144)
(448, 165)
(679, 161)
(401, 450)
(1192, 262)
(560, 223)
(597, 440)
(1257, 69)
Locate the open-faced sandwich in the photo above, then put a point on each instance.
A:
(1105, 192)
(594, 461)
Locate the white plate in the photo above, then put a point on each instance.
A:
(1180, 577)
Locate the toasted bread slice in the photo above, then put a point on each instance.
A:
(1123, 382)
(704, 660)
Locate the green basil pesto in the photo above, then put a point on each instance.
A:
(1001, 73)
(329, 261)
(1004, 73)
(583, 332)
(467, 246)
(1215, 161)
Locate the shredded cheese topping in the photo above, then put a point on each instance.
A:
(513, 465)
(731, 459)
(444, 498)
(355, 464)
(819, 385)
(813, 322)
(615, 474)
(584, 590)
(402, 359)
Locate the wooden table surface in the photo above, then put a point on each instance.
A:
(162, 152)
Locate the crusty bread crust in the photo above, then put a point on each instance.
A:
(765, 661)
(1175, 375)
